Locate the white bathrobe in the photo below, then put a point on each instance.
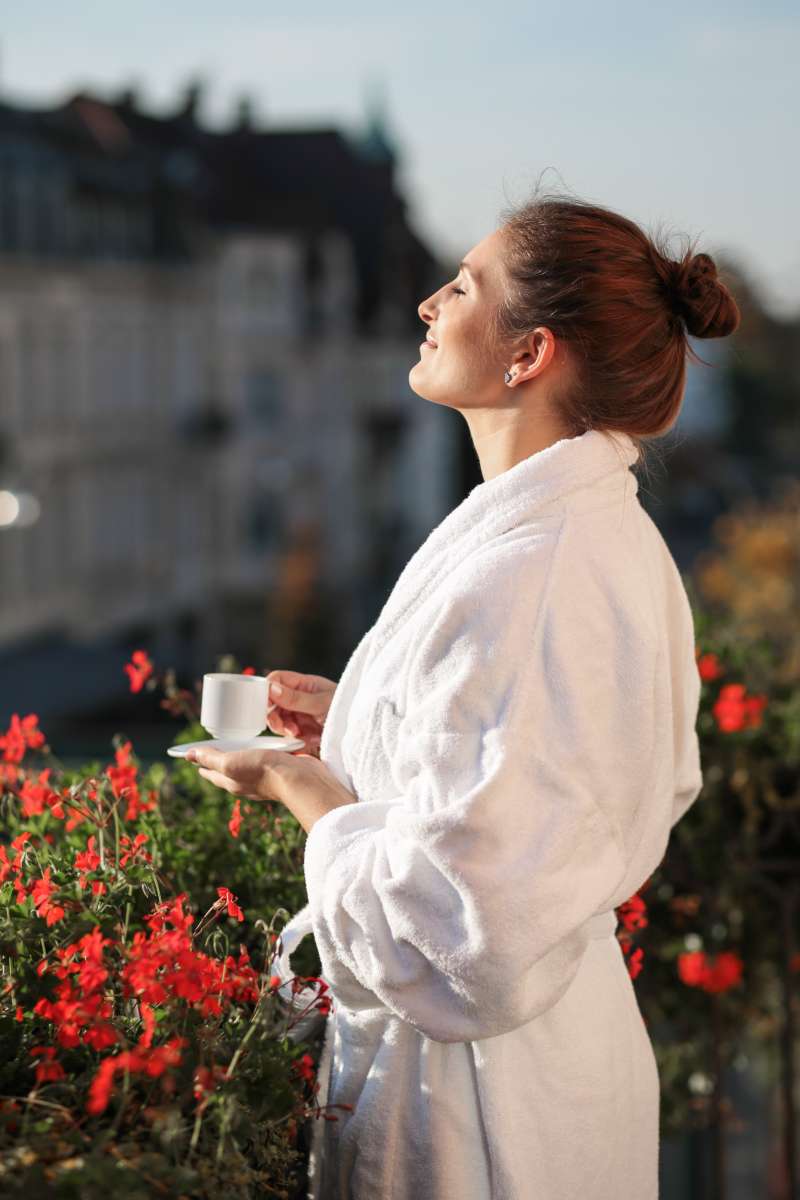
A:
(519, 730)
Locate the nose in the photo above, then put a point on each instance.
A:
(424, 311)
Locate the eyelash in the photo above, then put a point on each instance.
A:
(455, 289)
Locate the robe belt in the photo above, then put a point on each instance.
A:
(601, 925)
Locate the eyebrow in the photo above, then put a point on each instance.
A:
(466, 267)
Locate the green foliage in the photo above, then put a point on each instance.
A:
(222, 1116)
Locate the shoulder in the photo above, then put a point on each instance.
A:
(560, 582)
(489, 602)
(505, 568)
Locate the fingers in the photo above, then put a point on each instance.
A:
(218, 780)
(279, 721)
(208, 756)
(295, 693)
(275, 720)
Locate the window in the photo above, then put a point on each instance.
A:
(263, 397)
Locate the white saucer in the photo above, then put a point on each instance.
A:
(260, 743)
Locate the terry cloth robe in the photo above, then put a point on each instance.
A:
(518, 728)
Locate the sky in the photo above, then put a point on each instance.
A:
(683, 117)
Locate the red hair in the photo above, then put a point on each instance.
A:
(620, 302)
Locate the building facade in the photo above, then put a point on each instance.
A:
(205, 339)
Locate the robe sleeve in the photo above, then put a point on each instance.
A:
(686, 703)
(521, 761)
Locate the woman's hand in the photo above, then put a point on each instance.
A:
(303, 783)
(301, 706)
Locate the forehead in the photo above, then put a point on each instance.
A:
(484, 255)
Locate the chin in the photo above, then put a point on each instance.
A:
(427, 394)
(415, 387)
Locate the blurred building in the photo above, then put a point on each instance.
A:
(205, 339)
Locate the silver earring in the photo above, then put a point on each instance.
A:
(507, 377)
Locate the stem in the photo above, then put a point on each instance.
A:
(116, 838)
(198, 1121)
(126, 1081)
(240, 1048)
(223, 1130)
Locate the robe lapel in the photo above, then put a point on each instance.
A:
(536, 487)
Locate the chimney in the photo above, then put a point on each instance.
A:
(192, 97)
(128, 99)
(244, 115)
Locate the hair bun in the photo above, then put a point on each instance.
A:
(699, 296)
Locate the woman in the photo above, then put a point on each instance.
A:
(509, 746)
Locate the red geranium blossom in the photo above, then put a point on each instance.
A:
(124, 784)
(38, 797)
(48, 1068)
(304, 1067)
(633, 913)
(697, 970)
(86, 860)
(22, 735)
(133, 849)
(735, 710)
(41, 891)
(235, 823)
(138, 670)
(230, 902)
(152, 1062)
(709, 667)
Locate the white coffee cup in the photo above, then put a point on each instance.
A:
(234, 707)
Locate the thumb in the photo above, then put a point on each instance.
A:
(296, 699)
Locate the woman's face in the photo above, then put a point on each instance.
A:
(464, 370)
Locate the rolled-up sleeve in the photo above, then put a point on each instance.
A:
(460, 903)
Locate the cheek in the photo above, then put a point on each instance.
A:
(468, 350)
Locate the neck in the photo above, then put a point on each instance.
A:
(503, 438)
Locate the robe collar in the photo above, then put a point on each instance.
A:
(543, 485)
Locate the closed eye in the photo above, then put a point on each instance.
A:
(458, 290)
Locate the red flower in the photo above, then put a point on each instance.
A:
(249, 671)
(697, 970)
(86, 860)
(725, 972)
(152, 1063)
(205, 1082)
(41, 891)
(634, 962)
(230, 901)
(304, 1066)
(124, 785)
(138, 670)
(633, 913)
(709, 667)
(735, 710)
(22, 735)
(134, 849)
(692, 968)
(37, 797)
(149, 1023)
(6, 865)
(235, 823)
(48, 1068)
